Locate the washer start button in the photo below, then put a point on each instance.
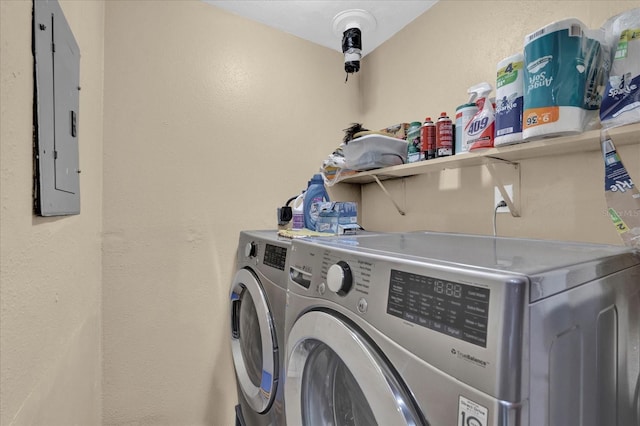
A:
(362, 305)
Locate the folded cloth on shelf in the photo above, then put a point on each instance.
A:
(300, 233)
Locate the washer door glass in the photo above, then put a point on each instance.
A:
(336, 377)
(333, 397)
(253, 341)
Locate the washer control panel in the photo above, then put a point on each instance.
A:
(458, 310)
(454, 308)
(344, 274)
(275, 256)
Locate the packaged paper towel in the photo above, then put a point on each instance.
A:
(562, 72)
(621, 99)
(509, 94)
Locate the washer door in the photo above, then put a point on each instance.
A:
(253, 341)
(335, 377)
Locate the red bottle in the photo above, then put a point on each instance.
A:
(444, 136)
(428, 138)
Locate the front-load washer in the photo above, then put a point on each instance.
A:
(258, 293)
(449, 329)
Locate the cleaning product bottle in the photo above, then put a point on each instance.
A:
(480, 131)
(297, 220)
(413, 142)
(316, 193)
(444, 136)
(464, 114)
(428, 139)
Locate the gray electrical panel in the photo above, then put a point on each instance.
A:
(56, 102)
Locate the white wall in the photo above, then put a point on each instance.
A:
(211, 122)
(426, 68)
(50, 268)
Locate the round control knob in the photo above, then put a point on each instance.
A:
(339, 278)
(250, 250)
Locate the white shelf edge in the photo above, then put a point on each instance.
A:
(626, 135)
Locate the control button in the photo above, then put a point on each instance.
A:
(251, 249)
(339, 278)
(322, 288)
(362, 305)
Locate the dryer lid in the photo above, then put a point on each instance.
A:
(551, 266)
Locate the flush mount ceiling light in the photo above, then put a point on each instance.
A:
(350, 24)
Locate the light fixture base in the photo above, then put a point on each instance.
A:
(353, 18)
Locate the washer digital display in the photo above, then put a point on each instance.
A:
(275, 256)
(458, 310)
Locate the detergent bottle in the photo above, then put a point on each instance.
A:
(316, 193)
(297, 222)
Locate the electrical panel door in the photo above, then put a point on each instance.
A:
(56, 101)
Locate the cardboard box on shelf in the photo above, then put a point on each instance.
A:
(333, 215)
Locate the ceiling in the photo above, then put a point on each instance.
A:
(312, 20)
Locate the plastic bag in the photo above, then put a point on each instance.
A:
(621, 98)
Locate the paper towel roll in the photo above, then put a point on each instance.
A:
(561, 65)
(509, 98)
(621, 98)
(568, 121)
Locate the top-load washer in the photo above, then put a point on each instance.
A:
(449, 329)
(258, 293)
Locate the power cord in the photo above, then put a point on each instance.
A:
(291, 199)
(285, 213)
(495, 212)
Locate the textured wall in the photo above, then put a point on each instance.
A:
(211, 122)
(426, 68)
(50, 268)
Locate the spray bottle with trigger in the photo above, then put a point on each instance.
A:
(480, 131)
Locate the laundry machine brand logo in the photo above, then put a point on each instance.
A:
(469, 358)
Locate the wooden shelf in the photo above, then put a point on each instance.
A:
(584, 142)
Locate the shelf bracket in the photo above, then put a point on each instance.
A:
(384, 190)
(498, 180)
(501, 160)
